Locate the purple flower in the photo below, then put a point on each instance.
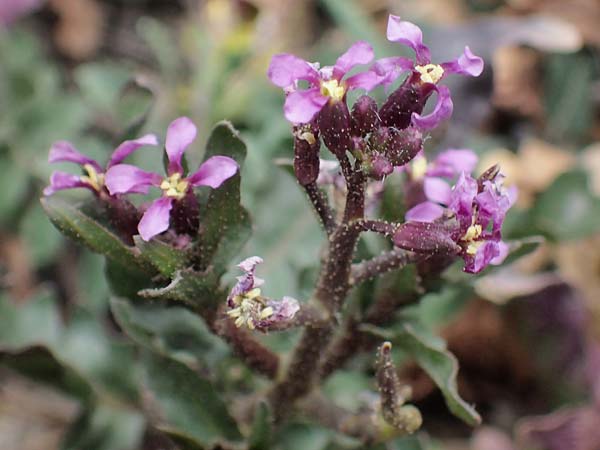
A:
(94, 178)
(248, 307)
(128, 179)
(325, 84)
(424, 74)
(478, 214)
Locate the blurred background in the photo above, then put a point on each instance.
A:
(92, 71)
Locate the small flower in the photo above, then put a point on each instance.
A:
(477, 215)
(249, 308)
(94, 177)
(424, 78)
(325, 85)
(128, 179)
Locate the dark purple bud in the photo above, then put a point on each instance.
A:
(334, 125)
(489, 175)
(403, 145)
(409, 98)
(185, 215)
(306, 154)
(380, 167)
(364, 116)
(123, 215)
(427, 237)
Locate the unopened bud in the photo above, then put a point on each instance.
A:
(364, 116)
(403, 145)
(409, 98)
(334, 124)
(306, 154)
(427, 237)
(380, 167)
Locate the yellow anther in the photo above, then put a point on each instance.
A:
(419, 168)
(333, 89)
(473, 247)
(175, 187)
(267, 312)
(308, 137)
(93, 178)
(473, 232)
(430, 73)
(253, 293)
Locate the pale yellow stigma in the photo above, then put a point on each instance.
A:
(174, 186)
(308, 137)
(430, 73)
(418, 168)
(93, 178)
(333, 89)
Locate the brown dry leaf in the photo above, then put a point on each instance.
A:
(32, 416)
(517, 81)
(79, 31)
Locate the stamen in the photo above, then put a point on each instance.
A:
(93, 178)
(174, 186)
(430, 73)
(333, 89)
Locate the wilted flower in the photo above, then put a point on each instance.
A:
(471, 216)
(326, 84)
(129, 179)
(405, 105)
(249, 308)
(94, 178)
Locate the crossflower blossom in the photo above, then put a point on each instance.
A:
(249, 308)
(325, 84)
(129, 179)
(469, 222)
(424, 78)
(94, 174)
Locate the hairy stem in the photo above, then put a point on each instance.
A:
(321, 207)
(386, 262)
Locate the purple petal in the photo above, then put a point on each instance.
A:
(128, 147)
(443, 110)
(180, 134)
(503, 251)
(451, 163)
(365, 80)
(249, 264)
(424, 212)
(62, 180)
(285, 70)
(125, 178)
(408, 33)
(359, 53)
(389, 69)
(284, 310)
(302, 106)
(437, 190)
(156, 218)
(466, 64)
(63, 151)
(463, 194)
(247, 281)
(486, 252)
(214, 171)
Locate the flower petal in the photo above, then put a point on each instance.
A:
(156, 218)
(466, 64)
(62, 180)
(389, 69)
(302, 106)
(285, 70)
(503, 251)
(408, 33)
(452, 162)
(424, 212)
(359, 53)
(128, 147)
(486, 252)
(437, 190)
(180, 134)
(63, 151)
(214, 171)
(365, 80)
(443, 110)
(128, 179)
(463, 194)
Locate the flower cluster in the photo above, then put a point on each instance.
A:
(119, 178)
(249, 308)
(381, 138)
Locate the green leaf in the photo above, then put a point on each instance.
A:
(74, 223)
(189, 286)
(43, 241)
(165, 258)
(260, 435)
(101, 84)
(224, 224)
(567, 209)
(430, 353)
(187, 403)
(171, 331)
(133, 109)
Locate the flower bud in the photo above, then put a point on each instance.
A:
(364, 116)
(427, 237)
(403, 145)
(334, 125)
(380, 167)
(185, 215)
(306, 154)
(409, 98)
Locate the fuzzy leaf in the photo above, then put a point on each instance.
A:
(260, 435)
(431, 354)
(165, 258)
(188, 404)
(188, 286)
